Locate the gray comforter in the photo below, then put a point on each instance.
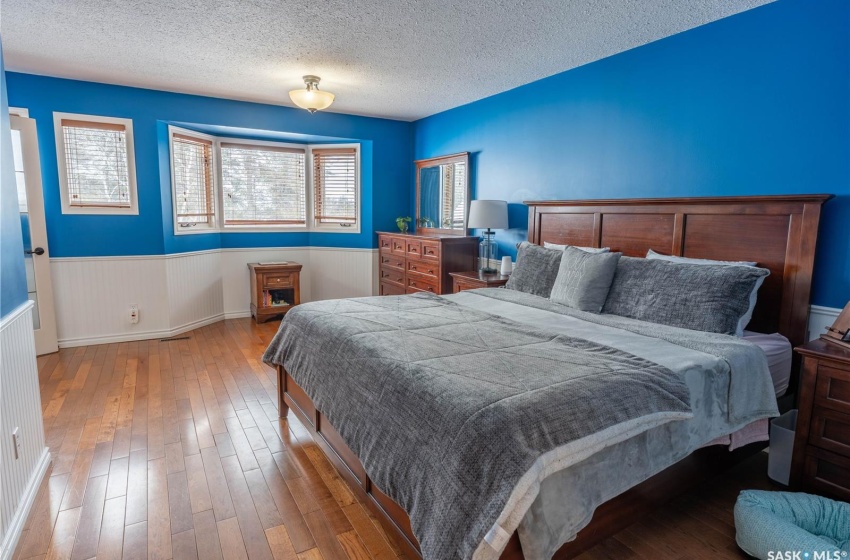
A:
(449, 408)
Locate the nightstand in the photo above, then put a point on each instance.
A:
(469, 280)
(821, 461)
(275, 289)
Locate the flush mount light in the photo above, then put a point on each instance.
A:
(311, 98)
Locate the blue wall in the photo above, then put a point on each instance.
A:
(386, 161)
(758, 103)
(13, 281)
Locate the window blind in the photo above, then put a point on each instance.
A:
(193, 186)
(263, 185)
(335, 185)
(96, 164)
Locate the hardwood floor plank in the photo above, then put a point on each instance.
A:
(249, 521)
(217, 484)
(137, 488)
(280, 544)
(62, 539)
(199, 493)
(136, 541)
(232, 545)
(180, 507)
(112, 529)
(91, 515)
(43, 517)
(353, 546)
(325, 537)
(174, 458)
(159, 518)
(184, 547)
(297, 529)
(206, 535)
(373, 539)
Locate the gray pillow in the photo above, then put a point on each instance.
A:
(535, 270)
(584, 279)
(698, 297)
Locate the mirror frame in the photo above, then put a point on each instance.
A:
(462, 157)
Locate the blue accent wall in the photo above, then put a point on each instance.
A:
(13, 281)
(758, 103)
(385, 147)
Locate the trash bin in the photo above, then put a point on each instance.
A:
(782, 431)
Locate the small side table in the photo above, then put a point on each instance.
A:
(821, 460)
(472, 279)
(275, 289)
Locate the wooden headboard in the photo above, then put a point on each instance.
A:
(778, 232)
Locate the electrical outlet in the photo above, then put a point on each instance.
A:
(134, 313)
(16, 442)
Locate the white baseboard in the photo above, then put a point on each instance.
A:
(143, 335)
(16, 525)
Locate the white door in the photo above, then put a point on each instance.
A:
(34, 229)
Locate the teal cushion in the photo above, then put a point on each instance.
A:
(770, 522)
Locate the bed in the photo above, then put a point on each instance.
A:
(777, 232)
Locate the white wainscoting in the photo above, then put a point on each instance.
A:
(820, 318)
(20, 407)
(179, 292)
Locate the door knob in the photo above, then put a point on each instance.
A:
(36, 251)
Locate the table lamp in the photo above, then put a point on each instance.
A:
(489, 215)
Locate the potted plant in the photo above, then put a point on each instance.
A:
(402, 223)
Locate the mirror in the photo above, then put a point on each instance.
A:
(442, 194)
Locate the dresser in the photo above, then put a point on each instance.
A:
(413, 263)
(821, 461)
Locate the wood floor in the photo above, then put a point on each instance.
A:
(174, 450)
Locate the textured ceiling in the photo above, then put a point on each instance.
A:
(402, 59)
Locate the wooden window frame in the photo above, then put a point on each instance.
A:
(213, 224)
(282, 226)
(336, 227)
(67, 207)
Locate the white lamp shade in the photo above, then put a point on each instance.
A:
(311, 99)
(485, 214)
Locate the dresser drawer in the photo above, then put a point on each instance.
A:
(827, 473)
(385, 242)
(431, 269)
(278, 281)
(393, 261)
(422, 282)
(389, 274)
(431, 250)
(832, 389)
(830, 430)
(399, 245)
(391, 289)
(413, 248)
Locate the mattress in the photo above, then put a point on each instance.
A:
(778, 351)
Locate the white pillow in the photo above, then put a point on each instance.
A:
(746, 317)
(548, 245)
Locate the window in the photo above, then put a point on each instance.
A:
(227, 184)
(96, 169)
(192, 169)
(453, 192)
(335, 186)
(263, 185)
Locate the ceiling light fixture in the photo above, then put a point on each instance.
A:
(311, 98)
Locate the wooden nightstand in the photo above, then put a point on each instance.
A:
(275, 289)
(471, 279)
(821, 461)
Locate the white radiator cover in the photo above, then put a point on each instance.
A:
(183, 291)
(20, 406)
